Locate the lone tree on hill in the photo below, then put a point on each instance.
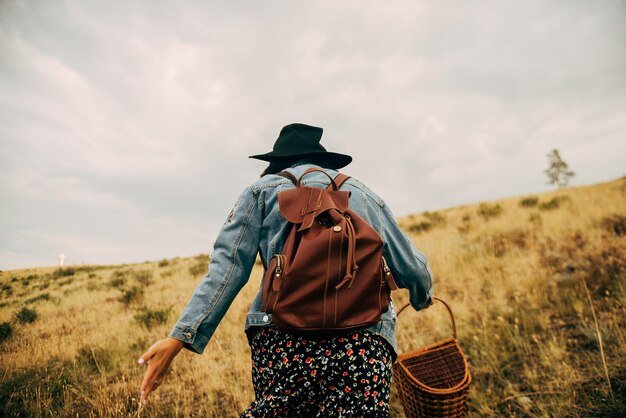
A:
(558, 172)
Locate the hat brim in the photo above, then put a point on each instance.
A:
(333, 158)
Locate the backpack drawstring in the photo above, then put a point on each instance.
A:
(351, 266)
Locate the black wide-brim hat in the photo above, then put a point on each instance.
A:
(298, 140)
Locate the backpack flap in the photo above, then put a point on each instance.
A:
(303, 204)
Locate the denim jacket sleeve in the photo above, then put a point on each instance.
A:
(232, 259)
(409, 266)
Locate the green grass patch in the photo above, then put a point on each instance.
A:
(432, 220)
(148, 318)
(5, 331)
(487, 211)
(554, 203)
(131, 294)
(117, 282)
(529, 202)
(26, 315)
(7, 289)
(66, 281)
(63, 272)
(167, 273)
(143, 277)
(43, 296)
(198, 269)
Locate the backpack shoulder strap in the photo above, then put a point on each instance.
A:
(340, 179)
(288, 176)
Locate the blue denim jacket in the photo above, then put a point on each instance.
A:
(256, 224)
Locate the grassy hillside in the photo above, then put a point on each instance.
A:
(514, 271)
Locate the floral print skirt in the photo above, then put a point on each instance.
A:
(343, 376)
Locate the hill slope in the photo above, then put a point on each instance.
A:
(514, 271)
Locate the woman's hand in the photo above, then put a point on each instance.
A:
(158, 358)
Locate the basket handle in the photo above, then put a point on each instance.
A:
(444, 304)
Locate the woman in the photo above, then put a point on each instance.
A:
(348, 375)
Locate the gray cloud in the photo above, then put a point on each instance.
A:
(125, 130)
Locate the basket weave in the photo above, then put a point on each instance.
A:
(433, 381)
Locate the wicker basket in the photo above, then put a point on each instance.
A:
(434, 380)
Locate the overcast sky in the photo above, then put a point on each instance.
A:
(125, 128)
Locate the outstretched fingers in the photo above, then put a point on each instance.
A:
(150, 382)
(157, 359)
(151, 378)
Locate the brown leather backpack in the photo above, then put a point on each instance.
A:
(331, 275)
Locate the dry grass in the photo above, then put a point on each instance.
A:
(512, 272)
